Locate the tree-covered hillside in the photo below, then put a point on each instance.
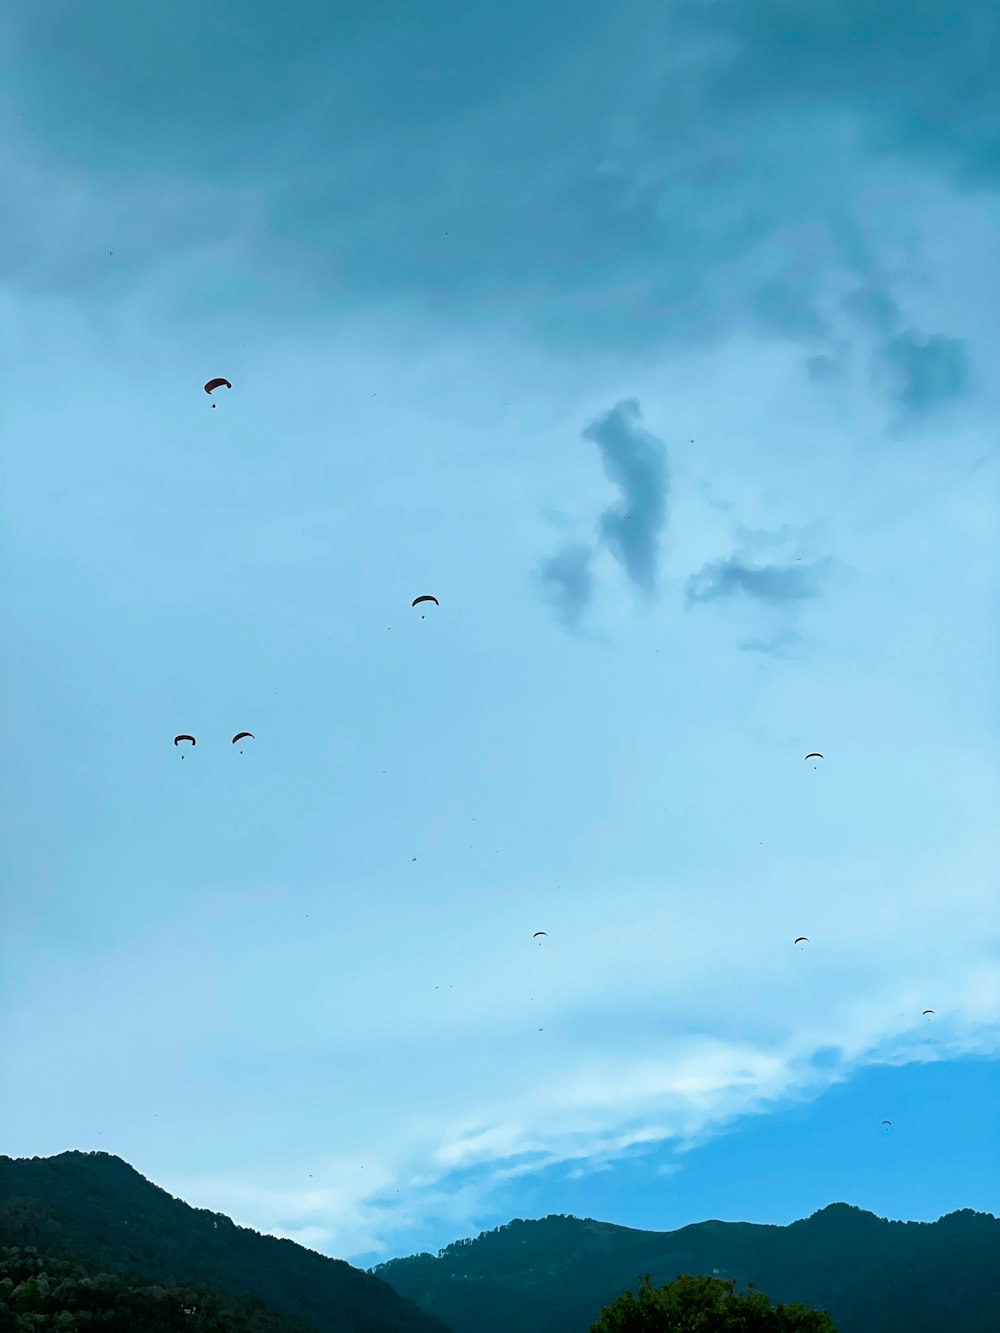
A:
(97, 1211)
(872, 1275)
(41, 1292)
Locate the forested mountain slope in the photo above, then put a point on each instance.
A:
(872, 1275)
(97, 1211)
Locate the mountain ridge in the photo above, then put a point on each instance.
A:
(547, 1275)
(101, 1211)
(832, 1260)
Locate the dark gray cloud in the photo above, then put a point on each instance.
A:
(922, 372)
(637, 463)
(618, 211)
(921, 86)
(568, 582)
(775, 584)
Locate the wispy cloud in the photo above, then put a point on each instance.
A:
(568, 582)
(873, 306)
(788, 310)
(636, 462)
(825, 369)
(775, 646)
(923, 372)
(775, 584)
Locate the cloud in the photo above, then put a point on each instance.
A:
(788, 310)
(568, 581)
(775, 646)
(924, 372)
(706, 490)
(923, 89)
(871, 306)
(637, 463)
(824, 369)
(614, 213)
(775, 584)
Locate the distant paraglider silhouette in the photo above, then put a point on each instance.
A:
(540, 932)
(240, 735)
(184, 737)
(425, 598)
(802, 939)
(215, 384)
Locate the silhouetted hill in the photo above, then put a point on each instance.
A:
(97, 1211)
(870, 1274)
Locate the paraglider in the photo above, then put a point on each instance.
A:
(540, 932)
(802, 939)
(815, 755)
(926, 1012)
(215, 384)
(887, 1124)
(240, 736)
(184, 737)
(425, 598)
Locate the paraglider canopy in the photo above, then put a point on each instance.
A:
(425, 598)
(540, 932)
(241, 734)
(886, 1124)
(803, 939)
(214, 384)
(184, 737)
(815, 755)
(926, 1012)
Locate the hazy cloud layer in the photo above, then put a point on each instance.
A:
(923, 88)
(616, 213)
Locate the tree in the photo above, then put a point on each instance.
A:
(705, 1305)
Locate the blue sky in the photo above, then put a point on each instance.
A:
(657, 342)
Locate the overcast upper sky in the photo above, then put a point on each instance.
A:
(658, 341)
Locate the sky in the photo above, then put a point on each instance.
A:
(657, 342)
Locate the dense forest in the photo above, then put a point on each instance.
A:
(41, 1292)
